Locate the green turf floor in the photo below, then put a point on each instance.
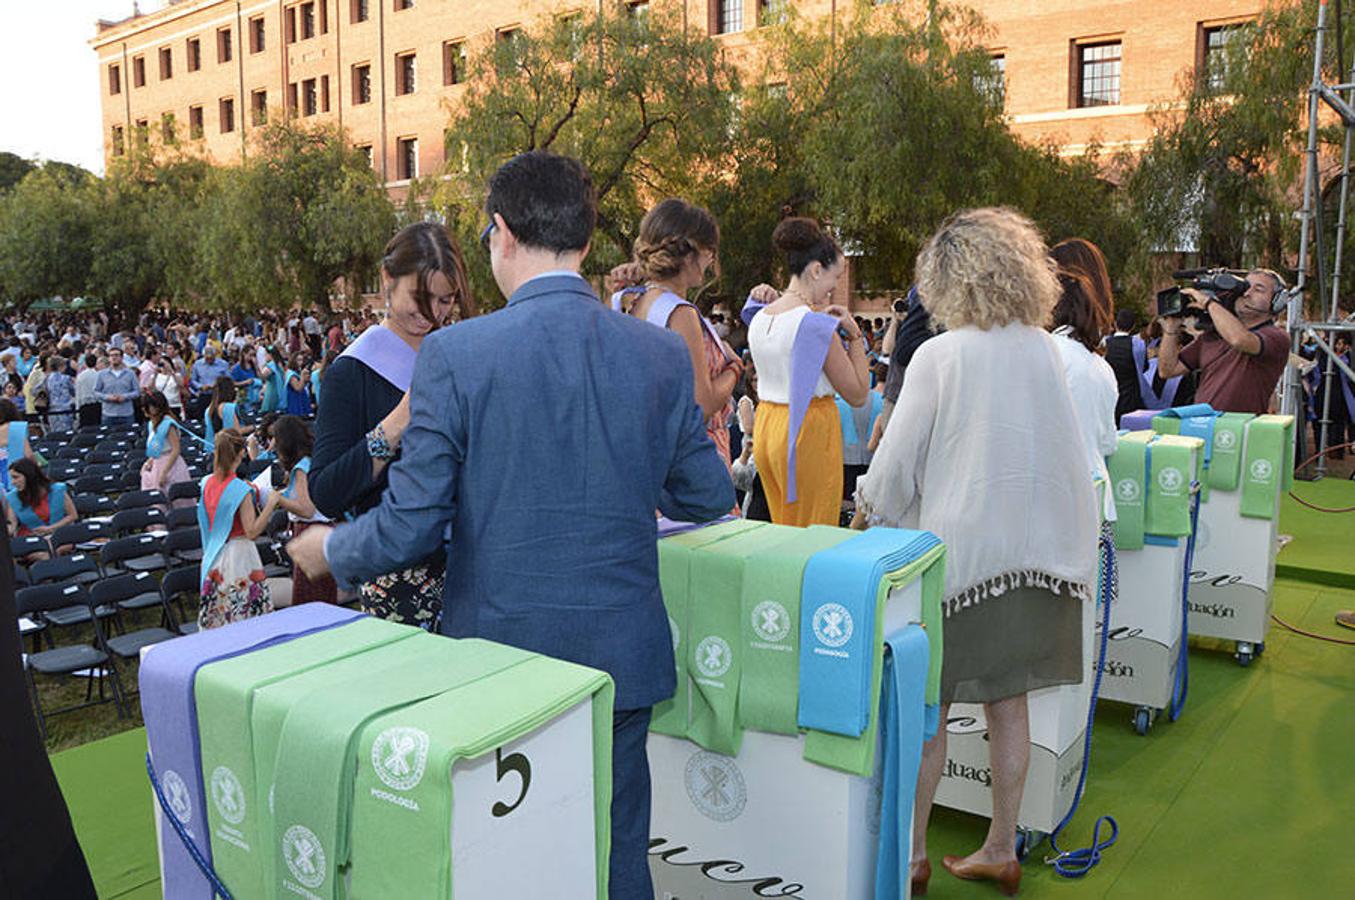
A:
(1248, 795)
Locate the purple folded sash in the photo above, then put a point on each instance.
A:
(807, 354)
(170, 712)
(751, 308)
(661, 310)
(1138, 420)
(1147, 369)
(385, 353)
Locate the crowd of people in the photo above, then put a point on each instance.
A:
(500, 478)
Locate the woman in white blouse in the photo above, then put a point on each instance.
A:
(981, 450)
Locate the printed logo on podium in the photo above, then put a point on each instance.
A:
(771, 622)
(713, 656)
(673, 630)
(716, 786)
(1170, 479)
(1127, 490)
(833, 624)
(1225, 440)
(304, 856)
(228, 795)
(399, 756)
(176, 792)
(1261, 470)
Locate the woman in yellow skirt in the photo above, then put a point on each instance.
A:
(797, 436)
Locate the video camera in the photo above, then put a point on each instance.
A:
(1224, 286)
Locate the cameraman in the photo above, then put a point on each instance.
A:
(1242, 358)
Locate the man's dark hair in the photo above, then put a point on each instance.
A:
(1126, 320)
(546, 200)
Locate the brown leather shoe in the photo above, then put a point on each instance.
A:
(1007, 875)
(921, 873)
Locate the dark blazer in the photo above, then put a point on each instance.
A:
(546, 434)
(340, 479)
(1120, 355)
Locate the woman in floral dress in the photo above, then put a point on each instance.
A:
(233, 580)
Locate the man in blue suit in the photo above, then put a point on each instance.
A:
(546, 434)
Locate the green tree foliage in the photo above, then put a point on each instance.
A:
(45, 238)
(13, 168)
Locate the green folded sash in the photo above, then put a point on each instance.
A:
(671, 717)
(1225, 467)
(403, 792)
(1171, 425)
(856, 755)
(1267, 464)
(718, 632)
(1127, 467)
(769, 621)
(316, 746)
(225, 692)
(1171, 471)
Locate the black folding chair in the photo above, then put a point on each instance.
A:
(184, 490)
(21, 547)
(77, 567)
(112, 457)
(98, 484)
(131, 481)
(95, 505)
(64, 470)
(135, 553)
(133, 592)
(72, 452)
(179, 585)
(50, 601)
(84, 536)
(130, 521)
(86, 438)
(182, 517)
(139, 499)
(182, 546)
(101, 469)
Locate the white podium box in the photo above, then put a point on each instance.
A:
(1233, 572)
(1144, 644)
(767, 823)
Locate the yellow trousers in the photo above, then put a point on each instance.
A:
(818, 462)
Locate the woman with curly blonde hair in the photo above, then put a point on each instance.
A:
(982, 451)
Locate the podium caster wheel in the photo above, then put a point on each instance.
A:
(1244, 654)
(1143, 720)
(1259, 649)
(1027, 839)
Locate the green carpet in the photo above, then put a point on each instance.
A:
(1323, 549)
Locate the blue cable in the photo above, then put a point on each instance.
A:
(1077, 863)
(1182, 688)
(204, 866)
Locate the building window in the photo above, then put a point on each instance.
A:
(1216, 47)
(307, 21)
(166, 63)
(362, 84)
(992, 85)
(119, 147)
(226, 111)
(258, 104)
(138, 71)
(143, 134)
(366, 151)
(324, 93)
(194, 123)
(193, 53)
(403, 4)
(256, 34)
(728, 16)
(771, 12)
(115, 79)
(407, 158)
(1098, 74)
(224, 49)
(324, 16)
(308, 97)
(404, 73)
(510, 40)
(453, 62)
(359, 11)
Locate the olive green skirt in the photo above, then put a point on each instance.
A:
(1020, 641)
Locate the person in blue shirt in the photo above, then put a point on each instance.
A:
(116, 388)
(205, 373)
(553, 534)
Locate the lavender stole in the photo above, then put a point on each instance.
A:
(1345, 388)
(751, 308)
(381, 350)
(1147, 370)
(807, 354)
(661, 310)
(170, 713)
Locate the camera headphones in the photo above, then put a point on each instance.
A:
(1281, 296)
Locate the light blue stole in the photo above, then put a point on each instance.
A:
(217, 532)
(157, 439)
(28, 517)
(385, 353)
(304, 466)
(1197, 420)
(315, 387)
(902, 732)
(228, 420)
(846, 416)
(14, 448)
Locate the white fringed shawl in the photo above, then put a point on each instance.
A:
(983, 450)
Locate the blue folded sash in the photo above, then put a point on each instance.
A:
(902, 731)
(170, 713)
(303, 466)
(228, 420)
(837, 625)
(28, 517)
(381, 350)
(847, 418)
(1197, 420)
(217, 532)
(18, 433)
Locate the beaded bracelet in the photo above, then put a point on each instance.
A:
(377, 445)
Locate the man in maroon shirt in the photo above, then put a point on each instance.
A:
(1242, 359)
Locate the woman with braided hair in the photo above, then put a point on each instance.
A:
(676, 247)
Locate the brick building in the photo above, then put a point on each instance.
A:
(210, 71)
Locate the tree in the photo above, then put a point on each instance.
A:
(44, 238)
(645, 105)
(13, 168)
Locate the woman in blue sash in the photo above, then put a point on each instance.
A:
(298, 386)
(222, 412)
(36, 505)
(292, 441)
(366, 408)
(164, 463)
(274, 382)
(234, 586)
(13, 437)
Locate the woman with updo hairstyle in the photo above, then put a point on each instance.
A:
(364, 409)
(984, 450)
(805, 349)
(677, 246)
